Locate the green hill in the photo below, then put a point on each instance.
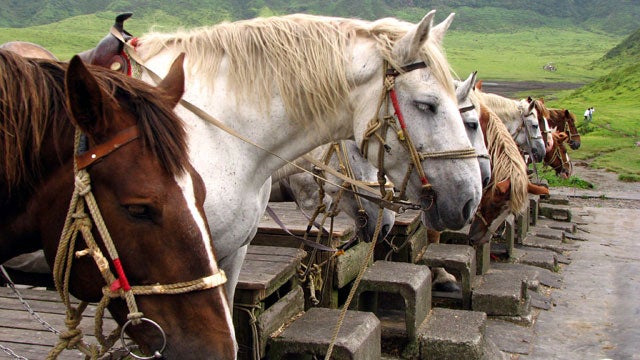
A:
(615, 17)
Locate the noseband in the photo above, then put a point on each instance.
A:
(79, 222)
(378, 127)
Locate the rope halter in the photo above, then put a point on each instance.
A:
(378, 127)
(79, 222)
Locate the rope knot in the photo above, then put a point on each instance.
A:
(389, 83)
(83, 183)
(135, 317)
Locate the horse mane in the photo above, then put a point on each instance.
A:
(301, 57)
(541, 108)
(506, 161)
(503, 107)
(33, 97)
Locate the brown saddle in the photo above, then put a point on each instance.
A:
(109, 51)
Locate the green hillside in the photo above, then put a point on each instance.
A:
(615, 17)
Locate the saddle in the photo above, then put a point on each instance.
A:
(109, 51)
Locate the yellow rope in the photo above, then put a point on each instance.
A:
(356, 282)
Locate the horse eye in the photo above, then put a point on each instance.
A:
(140, 211)
(426, 107)
(471, 125)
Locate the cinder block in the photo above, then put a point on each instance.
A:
(555, 212)
(452, 335)
(483, 258)
(310, 336)
(522, 226)
(411, 281)
(501, 293)
(534, 201)
(457, 259)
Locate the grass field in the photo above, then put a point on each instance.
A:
(511, 55)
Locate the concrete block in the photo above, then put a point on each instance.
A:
(545, 259)
(456, 259)
(521, 226)
(534, 201)
(349, 264)
(556, 212)
(557, 200)
(549, 244)
(483, 258)
(510, 228)
(568, 227)
(548, 233)
(452, 334)
(310, 335)
(411, 281)
(501, 293)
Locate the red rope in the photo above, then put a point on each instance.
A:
(403, 126)
(122, 278)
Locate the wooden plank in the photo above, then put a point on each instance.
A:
(406, 223)
(24, 335)
(296, 222)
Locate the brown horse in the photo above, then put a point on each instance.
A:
(148, 194)
(565, 121)
(557, 158)
(509, 181)
(29, 50)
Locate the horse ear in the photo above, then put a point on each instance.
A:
(407, 48)
(537, 189)
(529, 99)
(503, 186)
(88, 105)
(173, 83)
(541, 100)
(438, 31)
(463, 90)
(567, 113)
(479, 85)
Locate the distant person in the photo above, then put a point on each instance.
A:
(591, 110)
(587, 114)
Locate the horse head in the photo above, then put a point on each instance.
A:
(558, 158)
(429, 130)
(151, 201)
(543, 116)
(529, 134)
(494, 202)
(471, 118)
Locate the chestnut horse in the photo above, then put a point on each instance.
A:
(565, 121)
(150, 198)
(557, 158)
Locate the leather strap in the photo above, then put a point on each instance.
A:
(99, 151)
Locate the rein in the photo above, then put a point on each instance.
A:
(79, 222)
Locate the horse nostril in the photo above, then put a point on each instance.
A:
(486, 181)
(467, 210)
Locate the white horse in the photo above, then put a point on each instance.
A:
(295, 82)
(471, 118)
(305, 189)
(521, 119)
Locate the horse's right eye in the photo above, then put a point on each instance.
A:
(142, 212)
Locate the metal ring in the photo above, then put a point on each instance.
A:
(156, 354)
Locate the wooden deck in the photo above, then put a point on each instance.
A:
(24, 335)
